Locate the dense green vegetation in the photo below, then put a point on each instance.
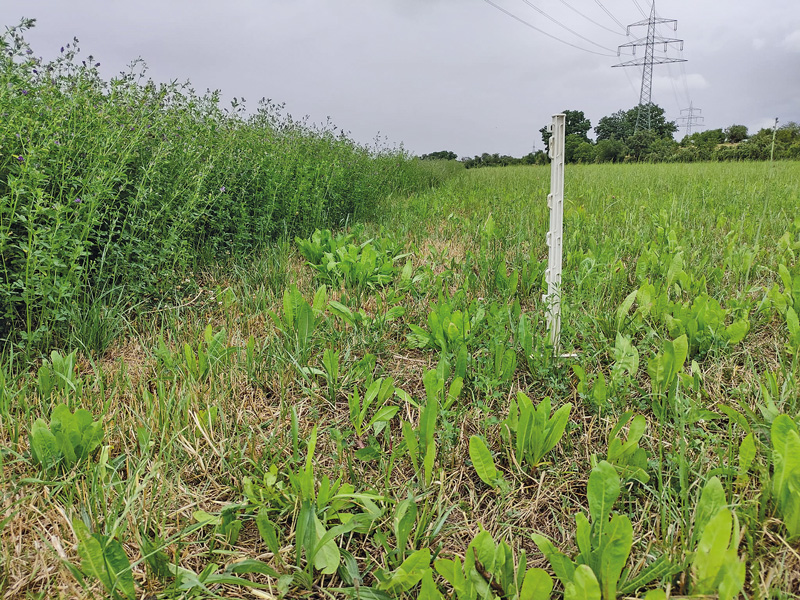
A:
(374, 411)
(112, 192)
(619, 140)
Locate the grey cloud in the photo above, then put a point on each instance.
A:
(443, 74)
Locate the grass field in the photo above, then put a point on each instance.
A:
(376, 413)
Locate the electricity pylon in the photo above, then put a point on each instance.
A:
(691, 119)
(649, 59)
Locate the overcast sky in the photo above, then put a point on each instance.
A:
(456, 75)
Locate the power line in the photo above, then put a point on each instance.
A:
(641, 10)
(684, 77)
(608, 12)
(674, 87)
(569, 6)
(572, 31)
(551, 36)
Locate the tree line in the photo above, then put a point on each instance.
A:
(617, 139)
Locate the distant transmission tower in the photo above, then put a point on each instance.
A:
(691, 119)
(649, 42)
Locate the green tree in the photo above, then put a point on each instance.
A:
(575, 124)
(639, 143)
(705, 139)
(735, 134)
(622, 124)
(610, 151)
(441, 155)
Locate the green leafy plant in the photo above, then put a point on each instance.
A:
(408, 574)
(490, 571)
(663, 369)
(210, 352)
(534, 431)
(337, 259)
(421, 442)
(715, 566)
(317, 508)
(375, 397)
(58, 374)
(227, 524)
(69, 439)
(299, 319)
(103, 558)
(482, 461)
(604, 545)
(629, 459)
(448, 329)
(786, 472)
(330, 363)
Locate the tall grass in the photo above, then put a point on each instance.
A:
(118, 189)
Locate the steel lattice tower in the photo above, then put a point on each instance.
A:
(649, 42)
(691, 119)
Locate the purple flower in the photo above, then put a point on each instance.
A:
(96, 64)
(78, 200)
(62, 48)
(20, 159)
(24, 92)
(222, 189)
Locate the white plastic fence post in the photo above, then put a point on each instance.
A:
(555, 201)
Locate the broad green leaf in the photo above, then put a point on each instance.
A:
(736, 331)
(405, 517)
(562, 566)
(250, 565)
(675, 267)
(786, 277)
(205, 518)
(602, 491)
(412, 446)
(268, 531)
(326, 552)
(624, 308)
(583, 585)
(680, 349)
(786, 477)
(385, 413)
(712, 553)
(44, 447)
(482, 461)
(483, 549)
(342, 311)
(614, 549)
(537, 585)
(409, 573)
(305, 324)
(556, 426)
(583, 537)
(747, 453)
(320, 302)
(626, 355)
(782, 427)
(428, 590)
(793, 324)
(712, 500)
(104, 559)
